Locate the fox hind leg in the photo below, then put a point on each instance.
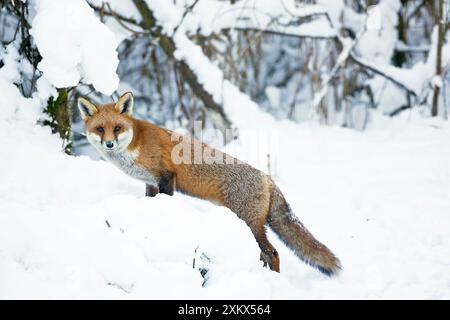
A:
(249, 198)
(269, 255)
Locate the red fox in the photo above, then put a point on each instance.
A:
(145, 152)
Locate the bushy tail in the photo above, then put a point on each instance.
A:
(294, 234)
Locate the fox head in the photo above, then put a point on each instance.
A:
(109, 128)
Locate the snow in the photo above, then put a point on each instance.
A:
(125, 8)
(75, 227)
(381, 24)
(74, 45)
(242, 111)
(437, 81)
(378, 199)
(378, 42)
(274, 95)
(419, 76)
(15, 107)
(212, 16)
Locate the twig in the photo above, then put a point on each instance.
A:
(189, 9)
(119, 16)
(119, 21)
(180, 91)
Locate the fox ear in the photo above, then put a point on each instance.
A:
(125, 104)
(87, 109)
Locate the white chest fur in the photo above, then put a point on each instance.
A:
(125, 161)
(121, 157)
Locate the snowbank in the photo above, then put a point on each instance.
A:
(71, 227)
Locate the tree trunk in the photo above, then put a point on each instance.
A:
(399, 57)
(60, 118)
(441, 34)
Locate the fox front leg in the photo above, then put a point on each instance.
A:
(151, 190)
(167, 183)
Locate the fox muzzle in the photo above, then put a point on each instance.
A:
(109, 145)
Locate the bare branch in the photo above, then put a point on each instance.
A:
(189, 9)
(123, 25)
(168, 46)
(378, 71)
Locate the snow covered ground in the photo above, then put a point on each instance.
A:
(73, 227)
(76, 227)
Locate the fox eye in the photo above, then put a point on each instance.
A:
(100, 129)
(117, 128)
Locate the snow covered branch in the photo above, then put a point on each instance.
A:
(167, 43)
(388, 72)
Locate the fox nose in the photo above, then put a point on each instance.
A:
(109, 144)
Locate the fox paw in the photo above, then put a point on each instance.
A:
(270, 259)
(151, 191)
